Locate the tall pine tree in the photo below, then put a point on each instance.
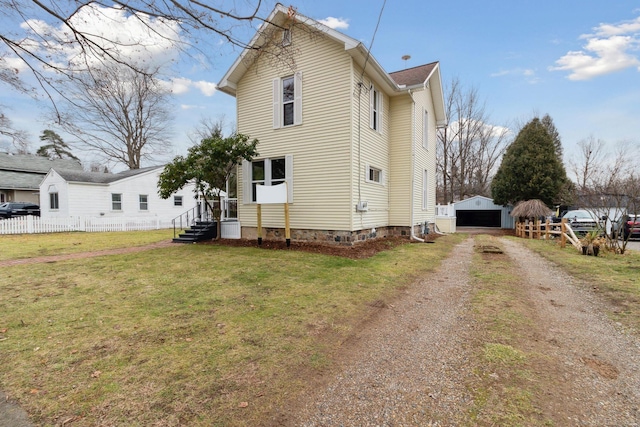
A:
(532, 167)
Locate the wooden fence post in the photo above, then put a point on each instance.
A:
(563, 231)
(547, 229)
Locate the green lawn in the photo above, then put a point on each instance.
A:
(195, 335)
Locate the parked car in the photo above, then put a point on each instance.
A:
(627, 226)
(582, 221)
(13, 209)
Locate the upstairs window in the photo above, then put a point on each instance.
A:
(286, 37)
(287, 101)
(425, 130)
(375, 98)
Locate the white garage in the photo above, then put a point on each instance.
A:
(480, 211)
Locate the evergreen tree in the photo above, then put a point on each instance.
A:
(531, 168)
(55, 148)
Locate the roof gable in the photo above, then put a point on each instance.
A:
(400, 82)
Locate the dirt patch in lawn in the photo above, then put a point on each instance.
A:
(359, 250)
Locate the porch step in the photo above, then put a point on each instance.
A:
(201, 230)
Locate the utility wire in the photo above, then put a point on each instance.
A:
(360, 86)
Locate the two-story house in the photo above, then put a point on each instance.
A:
(355, 144)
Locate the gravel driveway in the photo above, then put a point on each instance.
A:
(410, 366)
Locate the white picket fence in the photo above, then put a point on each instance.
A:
(31, 224)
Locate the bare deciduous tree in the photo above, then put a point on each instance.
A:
(60, 37)
(19, 138)
(469, 149)
(591, 156)
(119, 114)
(608, 185)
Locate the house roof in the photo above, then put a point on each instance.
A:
(99, 177)
(414, 76)
(402, 82)
(33, 163)
(13, 180)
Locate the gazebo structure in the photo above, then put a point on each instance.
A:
(528, 214)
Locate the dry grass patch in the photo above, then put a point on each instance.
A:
(195, 335)
(505, 387)
(615, 277)
(35, 245)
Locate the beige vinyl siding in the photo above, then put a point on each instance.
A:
(425, 158)
(370, 148)
(401, 140)
(320, 146)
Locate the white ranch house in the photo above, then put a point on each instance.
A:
(128, 194)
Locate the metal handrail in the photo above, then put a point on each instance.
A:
(188, 218)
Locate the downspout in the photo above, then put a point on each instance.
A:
(413, 163)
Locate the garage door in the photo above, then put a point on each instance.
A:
(478, 218)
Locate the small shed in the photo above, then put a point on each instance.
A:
(480, 211)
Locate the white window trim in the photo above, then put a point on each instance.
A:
(383, 175)
(113, 208)
(278, 106)
(425, 190)
(425, 129)
(57, 198)
(286, 37)
(247, 177)
(146, 202)
(375, 121)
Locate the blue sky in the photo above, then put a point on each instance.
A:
(577, 60)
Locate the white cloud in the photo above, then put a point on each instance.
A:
(336, 23)
(207, 88)
(180, 86)
(138, 39)
(527, 73)
(611, 48)
(189, 107)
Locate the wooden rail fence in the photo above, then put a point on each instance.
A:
(544, 230)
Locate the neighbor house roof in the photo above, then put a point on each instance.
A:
(33, 163)
(402, 82)
(99, 177)
(25, 171)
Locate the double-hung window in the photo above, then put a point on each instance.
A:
(116, 202)
(425, 129)
(144, 202)
(271, 171)
(177, 200)
(375, 118)
(287, 101)
(54, 203)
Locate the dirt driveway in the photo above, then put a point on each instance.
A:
(414, 365)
